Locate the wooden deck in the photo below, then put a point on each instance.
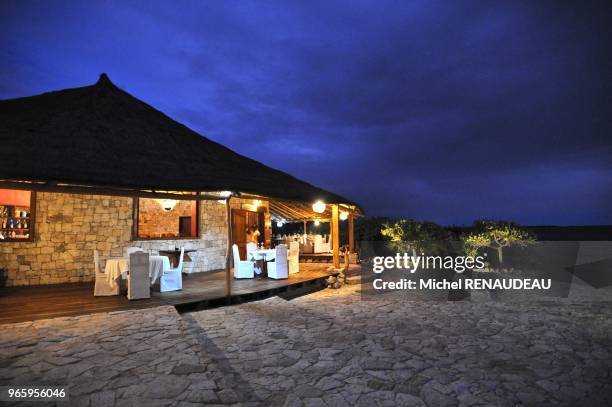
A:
(316, 258)
(200, 291)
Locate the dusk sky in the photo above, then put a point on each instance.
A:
(444, 111)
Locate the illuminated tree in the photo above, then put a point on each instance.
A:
(409, 235)
(496, 236)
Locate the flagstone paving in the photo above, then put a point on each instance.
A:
(328, 348)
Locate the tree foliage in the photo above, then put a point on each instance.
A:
(408, 235)
(496, 236)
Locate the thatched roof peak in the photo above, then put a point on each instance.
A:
(104, 80)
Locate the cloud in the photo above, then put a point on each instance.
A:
(421, 109)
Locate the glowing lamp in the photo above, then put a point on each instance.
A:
(318, 207)
(167, 204)
(343, 215)
(224, 195)
(280, 223)
(317, 223)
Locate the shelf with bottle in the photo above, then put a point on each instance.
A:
(12, 234)
(15, 223)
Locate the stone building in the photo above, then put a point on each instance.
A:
(95, 168)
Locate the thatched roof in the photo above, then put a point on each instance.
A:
(100, 135)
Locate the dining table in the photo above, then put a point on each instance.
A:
(261, 256)
(116, 268)
(175, 255)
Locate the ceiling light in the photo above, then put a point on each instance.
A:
(318, 207)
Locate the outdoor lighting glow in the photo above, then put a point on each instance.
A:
(317, 223)
(256, 203)
(167, 204)
(280, 223)
(318, 207)
(343, 215)
(225, 194)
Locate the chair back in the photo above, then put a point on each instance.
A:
(294, 249)
(96, 261)
(133, 249)
(138, 278)
(180, 264)
(236, 253)
(281, 254)
(250, 247)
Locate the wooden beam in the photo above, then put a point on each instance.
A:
(351, 232)
(335, 236)
(80, 189)
(291, 211)
(305, 227)
(228, 277)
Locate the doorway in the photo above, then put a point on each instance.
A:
(241, 221)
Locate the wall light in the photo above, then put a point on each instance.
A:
(167, 204)
(280, 223)
(318, 207)
(225, 195)
(343, 215)
(317, 223)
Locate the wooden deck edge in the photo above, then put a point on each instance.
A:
(287, 292)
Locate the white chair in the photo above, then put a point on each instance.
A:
(294, 257)
(279, 268)
(130, 250)
(242, 268)
(172, 279)
(102, 287)
(138, 276)
(251, 247)
(321, 245)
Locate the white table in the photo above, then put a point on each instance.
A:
(262, 254)
(115, 268)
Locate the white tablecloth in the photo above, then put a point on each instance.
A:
(258, 254)
(116, 267)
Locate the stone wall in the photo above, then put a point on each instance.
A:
(70, 226)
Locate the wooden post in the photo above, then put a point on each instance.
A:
(305, 227)
(351, 232)
(228, 272)
(335, 236)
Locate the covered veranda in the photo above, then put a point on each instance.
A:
(94, 153)
(302, 213)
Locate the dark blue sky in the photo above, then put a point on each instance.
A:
(446, 111)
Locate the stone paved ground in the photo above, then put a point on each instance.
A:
(327, 348)
(146, 357)
(330, 348)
